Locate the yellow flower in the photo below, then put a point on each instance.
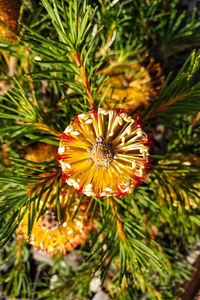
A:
(9, 13)
(51, 237)
(133, 85)
(41, 152)
(104, 153)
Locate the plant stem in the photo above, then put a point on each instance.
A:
(84, 78)
(164, 106)
(45, 128)
(18, 248)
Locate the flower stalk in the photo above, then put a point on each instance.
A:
(84, 78)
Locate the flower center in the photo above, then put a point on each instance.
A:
(102, 153)
(49, 220)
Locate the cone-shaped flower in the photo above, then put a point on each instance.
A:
(41, 152)
(9, 14)
(134, 83)
(50, 236)
(104, 153)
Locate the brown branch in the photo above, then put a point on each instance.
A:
(191, 286)
(45, 128)
(195, 120)
(84, 78)
(37, 276)
(167, 104)
(18, 254)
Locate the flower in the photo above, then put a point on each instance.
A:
(133, 85)
(104, 153)
(41, 152)
(50, 236)
(9, 13)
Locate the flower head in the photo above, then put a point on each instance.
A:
(41, 152)
(9, 13)
(50, 236)
(133, 85)
(104, 153)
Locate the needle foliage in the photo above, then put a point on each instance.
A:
(140, 242)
